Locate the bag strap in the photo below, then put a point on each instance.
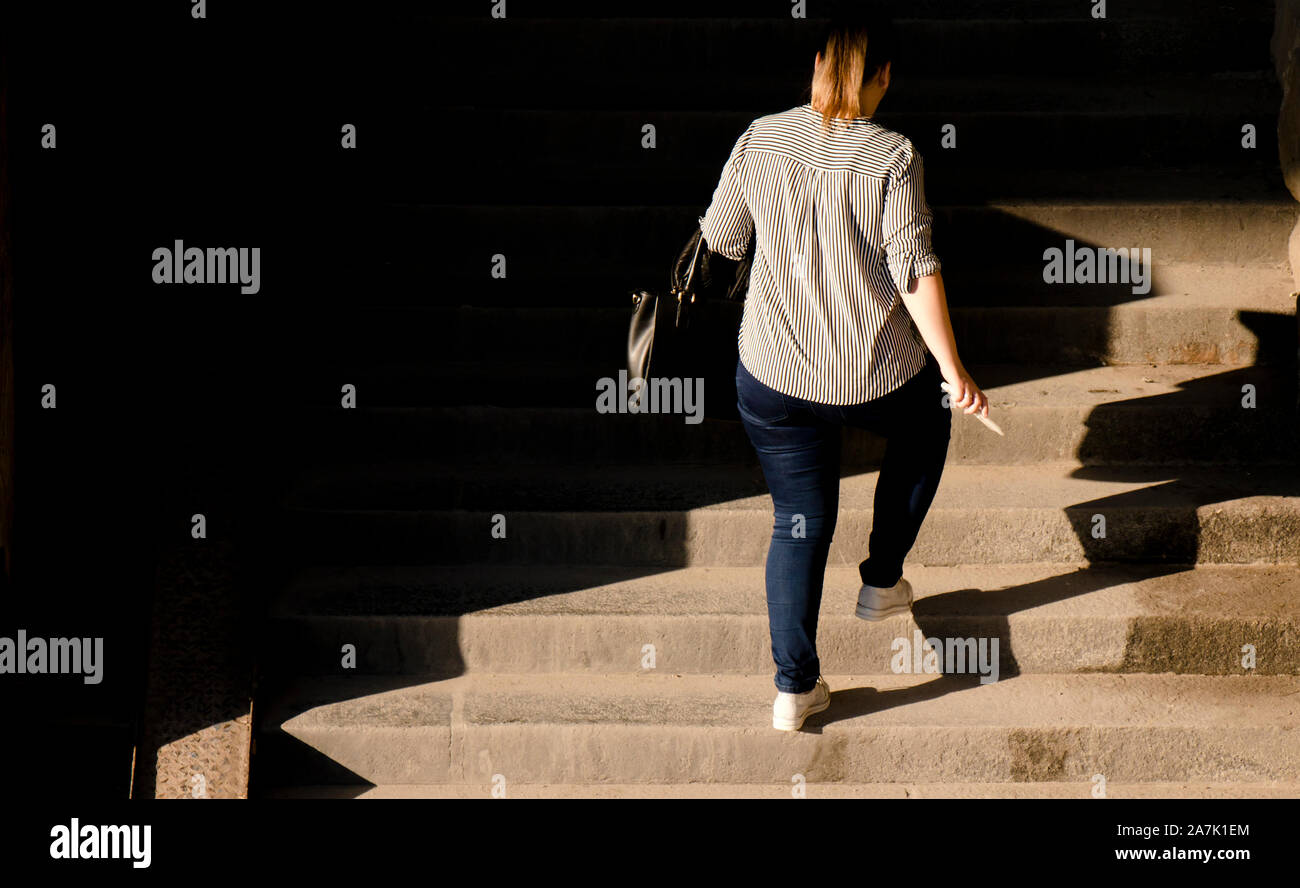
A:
(686, 293)
(675, 276)
(695, 261)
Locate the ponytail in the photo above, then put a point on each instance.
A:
(855, 48)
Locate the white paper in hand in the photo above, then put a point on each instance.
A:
(988, 422)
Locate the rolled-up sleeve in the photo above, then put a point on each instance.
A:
(727, 224)
(906, 232)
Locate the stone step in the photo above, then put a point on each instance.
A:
(407, 318)
(667, 729)
(512, 355)
(418, 620)
(597, 157)
(948, 181)
(681, 515)
(535, 59)
(912, 10)
(913, 90)
(1132, 414)
(912, 87)
(1050, 790)
(626, 248)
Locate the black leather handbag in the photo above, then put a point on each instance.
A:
(693, 332)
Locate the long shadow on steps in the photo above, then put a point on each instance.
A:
(934, 615)
(1101, 444)
(1267, 417)
(1110, 456)
(548, 331)
(965, 614)
(849, 703)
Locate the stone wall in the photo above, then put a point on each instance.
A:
(197, 724)
(1286, 60)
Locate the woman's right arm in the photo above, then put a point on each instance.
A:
(928, 306)
(913, 264)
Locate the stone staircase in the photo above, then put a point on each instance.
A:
(522, 663)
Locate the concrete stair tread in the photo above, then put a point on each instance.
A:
(621, 238)
(432, 486)
(632, 246)
(565, 386)
(916, 10)
(1035, 591)
(1093, 416)
(1048, 486)
(1160, 91)
(1129, 386)
(410, 619)
(664, 516)
(743, 702)
(1048, 790)
(379, 334)
(1276, 199)
(949, 182)
(1139, 43)
(1255, 287)
(1009, 387)
(1260, 287)
(1142, 142)
(588, 302)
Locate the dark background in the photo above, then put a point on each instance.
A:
(225, 132)
(222, 132)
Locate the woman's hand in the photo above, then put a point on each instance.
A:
(965, 393)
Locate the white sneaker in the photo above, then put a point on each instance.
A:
(875, 603)
(789, 710)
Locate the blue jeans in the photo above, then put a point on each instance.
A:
(798, 445)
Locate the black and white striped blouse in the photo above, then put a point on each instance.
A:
(843, 226)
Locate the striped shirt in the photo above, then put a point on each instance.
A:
(843, 227)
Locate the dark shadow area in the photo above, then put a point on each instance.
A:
(477, 391)
(474, 391)
(169, 396)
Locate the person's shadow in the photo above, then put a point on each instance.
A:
(1264, 436)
